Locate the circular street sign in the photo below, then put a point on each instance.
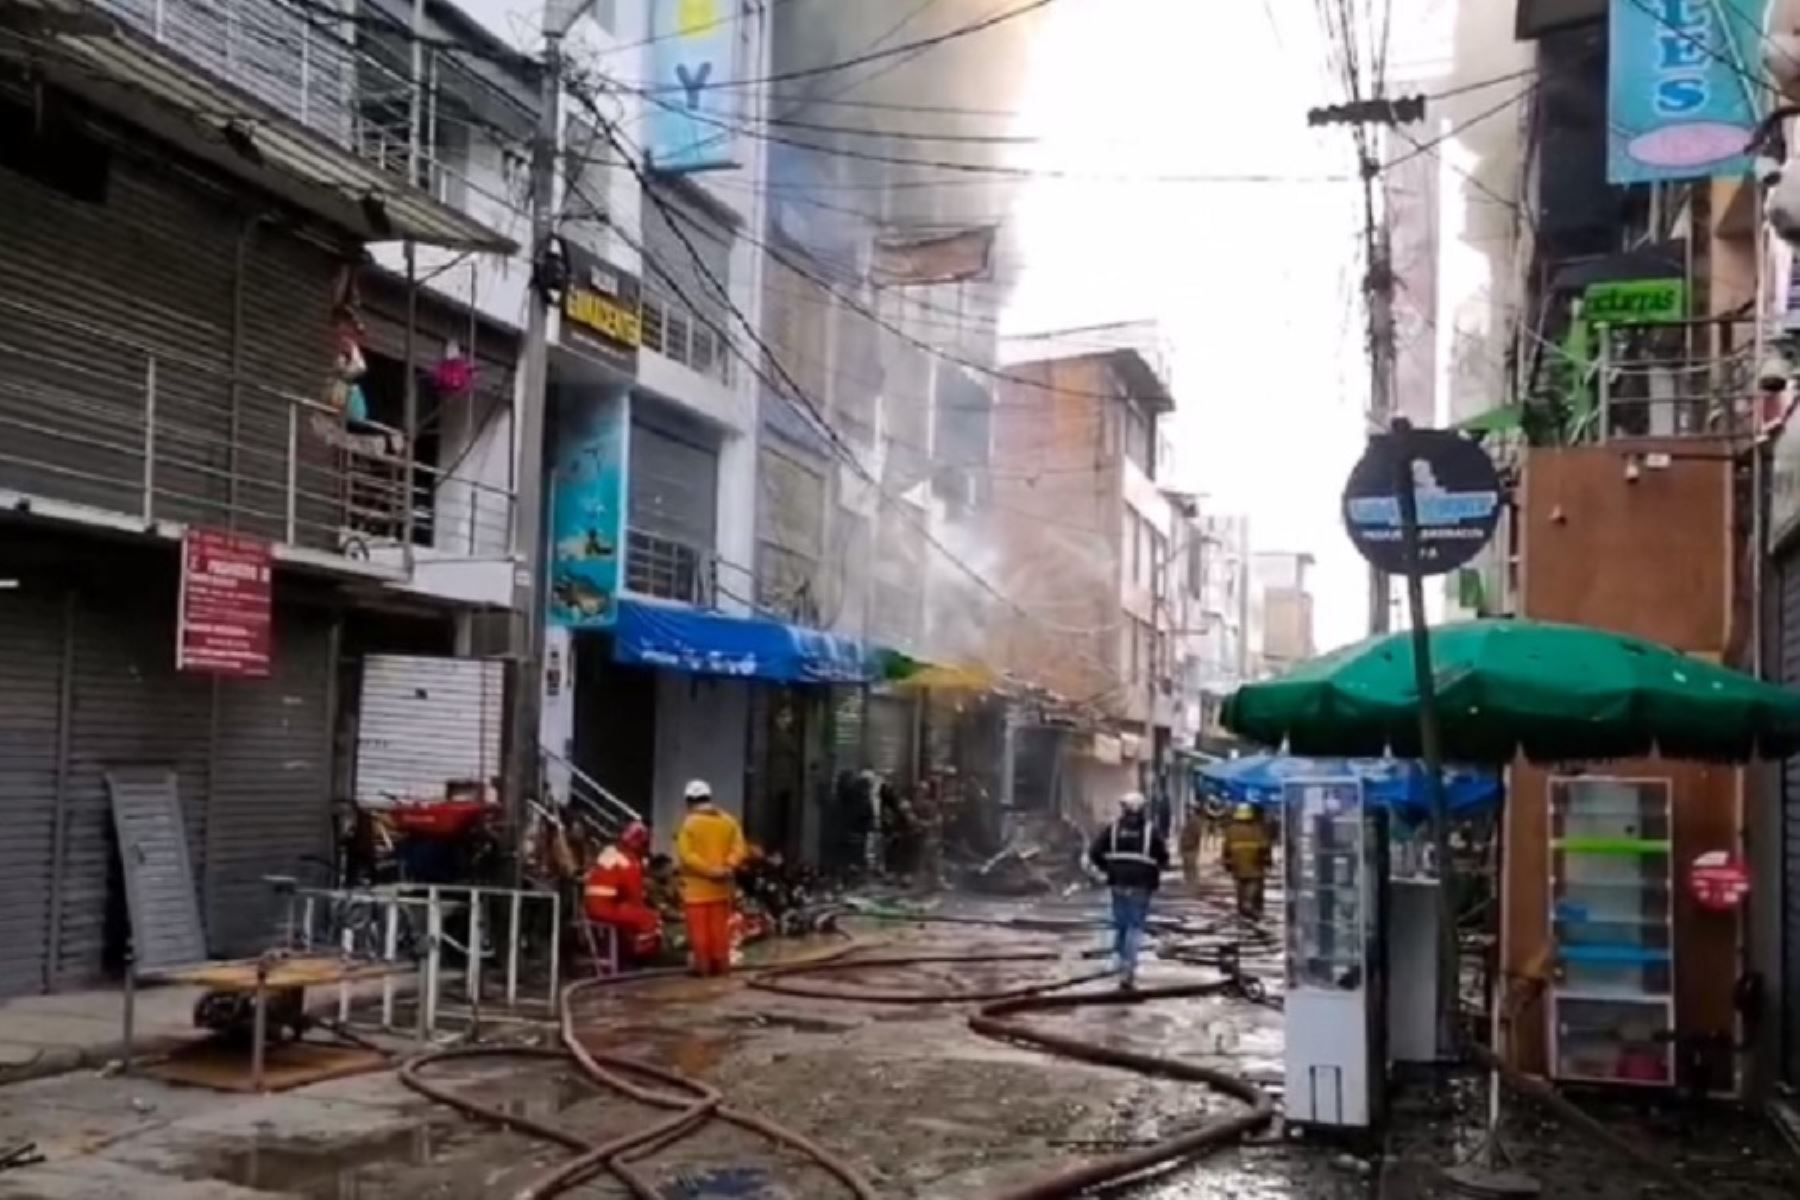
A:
(1457, 491)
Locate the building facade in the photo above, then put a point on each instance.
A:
(201, 352)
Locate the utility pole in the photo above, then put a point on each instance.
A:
(525, 642)
(1378, 283)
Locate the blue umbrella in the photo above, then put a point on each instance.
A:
(1395, 782)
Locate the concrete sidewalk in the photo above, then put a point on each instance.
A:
(67, 1031)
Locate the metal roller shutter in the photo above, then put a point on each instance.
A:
(95, 291)
(890, 737)
(128, 707)
(424, 722)
(271, 786)
(1789, 651)
(31, 661)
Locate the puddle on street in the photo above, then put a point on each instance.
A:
(323, 1170)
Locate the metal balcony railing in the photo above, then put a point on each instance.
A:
(670, 569)
(1676, 379)
(92, 419)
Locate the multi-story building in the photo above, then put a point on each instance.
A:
(1222, 642)
(1087, 538)
(881, 296)
(213, 391)
(1632, 431)
(1281, 611)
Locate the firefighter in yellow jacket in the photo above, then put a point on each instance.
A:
(1247, 856)
(708, 851)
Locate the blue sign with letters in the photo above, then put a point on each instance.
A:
(1683, 97)
(689, 107)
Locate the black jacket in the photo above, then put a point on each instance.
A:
(1132, 852)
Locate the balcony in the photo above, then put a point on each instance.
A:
(668, 569)
(99, 430)
(1675, 379)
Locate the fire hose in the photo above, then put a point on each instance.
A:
(691, 1104)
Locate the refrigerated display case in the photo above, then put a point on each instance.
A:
(1336, 1010)
(1612, 913)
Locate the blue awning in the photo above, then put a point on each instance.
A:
(707, 643)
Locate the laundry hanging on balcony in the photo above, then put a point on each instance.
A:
(705, 643)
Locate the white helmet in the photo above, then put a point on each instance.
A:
(697, 790)
(1132, 802)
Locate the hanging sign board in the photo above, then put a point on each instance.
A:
(1718, 881)
(1458, 494)
(226, 604)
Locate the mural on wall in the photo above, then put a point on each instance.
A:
(1681, 103)
(692, 115)
(587, 509)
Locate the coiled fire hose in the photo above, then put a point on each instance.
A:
(692, 1104)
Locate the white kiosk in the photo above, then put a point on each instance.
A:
(1336, 1005)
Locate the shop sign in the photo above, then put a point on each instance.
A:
(587, 508)
(1457, 493)
(1635, 301)
(602, 309)
(1679, 103)
(1719, 881)
(226, 605)
(1106, 749)
(690, 109)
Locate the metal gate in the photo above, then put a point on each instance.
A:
(425, 722)
(1789, 658)
(31, 656)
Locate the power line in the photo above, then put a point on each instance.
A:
(788, 388)
(1454, 130)
(984, 169)
(929, 43)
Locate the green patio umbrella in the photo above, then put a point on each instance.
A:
(1556, 692)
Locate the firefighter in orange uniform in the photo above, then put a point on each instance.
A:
(614, 895)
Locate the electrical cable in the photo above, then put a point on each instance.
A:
(832, 68)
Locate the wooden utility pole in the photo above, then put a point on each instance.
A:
(1378, 283)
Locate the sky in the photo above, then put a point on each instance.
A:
(1252, 283)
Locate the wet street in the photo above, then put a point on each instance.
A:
(909, 1095)
(915, 1100)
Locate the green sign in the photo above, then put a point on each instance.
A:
(1635, 301)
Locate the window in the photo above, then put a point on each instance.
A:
(1196, 565)
(687, 299)
(1139, 438)
(672, 508)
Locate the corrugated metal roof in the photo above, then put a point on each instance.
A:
(121, 70)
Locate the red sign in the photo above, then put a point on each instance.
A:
(226, 604)
(1719, 881)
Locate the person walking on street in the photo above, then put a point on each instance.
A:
(708, 850)
(1247, 856)
(1132, 854)
(1193, 830)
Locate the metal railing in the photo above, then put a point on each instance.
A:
(585, 801)
(670, 569)
(91, 418)
(1675, 379)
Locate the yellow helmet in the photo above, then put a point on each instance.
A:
(1243, 812)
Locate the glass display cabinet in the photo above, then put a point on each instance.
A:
(1335, 859)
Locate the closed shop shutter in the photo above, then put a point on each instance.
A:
(271, 787)
(890, 736)
(91, 292)
(425, 722)
(31, 657)
(128, 707)
(674, 484)
(1789, 651)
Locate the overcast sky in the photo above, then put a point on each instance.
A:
(1252, 282)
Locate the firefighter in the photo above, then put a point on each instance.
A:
(1131, 854)
(614, 895)
(708, 850)
(1247, 857)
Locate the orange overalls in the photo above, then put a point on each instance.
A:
(614, 895)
